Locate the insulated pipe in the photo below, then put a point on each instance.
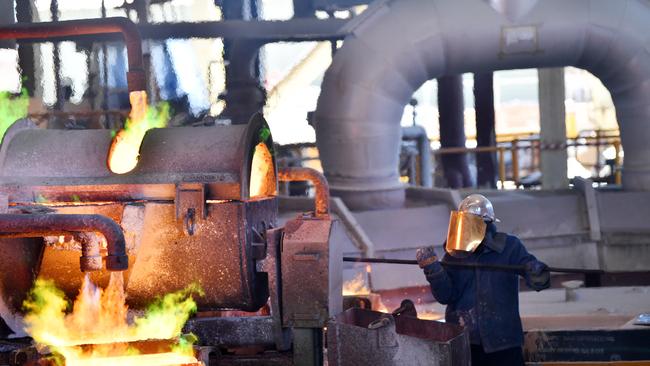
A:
(135, 76)
(300, 174)
(38, 225)
(395, 46)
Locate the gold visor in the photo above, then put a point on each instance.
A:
(466, 232)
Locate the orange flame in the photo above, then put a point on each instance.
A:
(355, 286)
(125, 148)
(97, 330)
(262, 181)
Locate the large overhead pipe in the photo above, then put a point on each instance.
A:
(395, 46)
(35, 225)
(51, 30)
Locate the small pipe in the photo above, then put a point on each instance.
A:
(300, 174)
(38, 225)
(499, 267)
(419, 134)
(135, 76)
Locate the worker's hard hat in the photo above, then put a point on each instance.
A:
(477, 204)
(467, 226)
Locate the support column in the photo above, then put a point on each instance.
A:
(486, 162)
(452, 130)
(552, 128)
(303, 9)
(244, 93)
(58, 105)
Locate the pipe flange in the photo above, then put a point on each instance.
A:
(89, 263)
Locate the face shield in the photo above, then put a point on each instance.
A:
(466, 232)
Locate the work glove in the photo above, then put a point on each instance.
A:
(425, 256)
(538, 275)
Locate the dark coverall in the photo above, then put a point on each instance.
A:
(486, 302)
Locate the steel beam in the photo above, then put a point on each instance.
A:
(294, 30)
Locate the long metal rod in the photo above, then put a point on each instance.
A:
(498, 267)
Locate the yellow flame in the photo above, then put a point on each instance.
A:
(158, 359)
(125, 148)
(355, 286)
(98, 327)
(11, 109)
(430, 315)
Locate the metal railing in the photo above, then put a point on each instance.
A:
(535, 145)
(518, 149)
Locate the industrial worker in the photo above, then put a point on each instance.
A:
(485, 301)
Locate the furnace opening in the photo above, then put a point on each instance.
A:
(262, 181)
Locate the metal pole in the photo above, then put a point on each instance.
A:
(502, 167)
(498, 267)
(515, 161)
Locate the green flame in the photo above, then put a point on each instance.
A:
(12, 108)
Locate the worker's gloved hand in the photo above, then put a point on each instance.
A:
(426, 256)
(537, 275)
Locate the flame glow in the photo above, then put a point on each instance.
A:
(125, 148)
(262, 182)
(97, 331)
(12, 109)
(355, 286)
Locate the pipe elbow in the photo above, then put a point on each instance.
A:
(40, 225)
(116, 258)
(322, 196)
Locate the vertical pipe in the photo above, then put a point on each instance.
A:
(107, 122)
(244, 94)
(485, 129)
(424, 164)
(26, 51)
(452, 130)
(54, 14)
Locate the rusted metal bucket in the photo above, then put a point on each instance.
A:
(401, 340)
